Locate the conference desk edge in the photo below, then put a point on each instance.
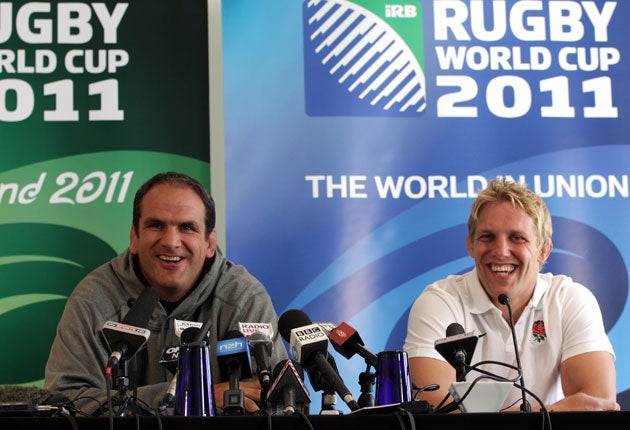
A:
(380, 421)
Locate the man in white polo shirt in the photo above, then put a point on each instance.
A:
(566, 356)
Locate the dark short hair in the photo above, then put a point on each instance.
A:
(177, 179)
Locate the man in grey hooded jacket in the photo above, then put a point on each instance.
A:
(173, 248)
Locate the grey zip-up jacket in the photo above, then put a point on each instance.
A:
(226, 295)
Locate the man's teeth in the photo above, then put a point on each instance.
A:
(166, 258)
(505, 268)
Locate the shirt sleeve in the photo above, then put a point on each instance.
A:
(429, 317)
(582, 322)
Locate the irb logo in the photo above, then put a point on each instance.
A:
(401, 11)
(364, 58)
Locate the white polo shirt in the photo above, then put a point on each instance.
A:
(562, 320)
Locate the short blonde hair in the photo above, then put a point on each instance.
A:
(503, 190)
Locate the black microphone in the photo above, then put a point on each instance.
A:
(309, 347)
(347, 342)
(234, 363)
(125, 338)
(505, 300)
(288, 389)
(457, 348)
(261, 346)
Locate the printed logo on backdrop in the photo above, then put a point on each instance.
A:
(364, 58)
(510, 59)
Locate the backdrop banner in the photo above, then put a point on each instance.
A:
(95, 97)
(357, 134)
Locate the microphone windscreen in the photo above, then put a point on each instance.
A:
(189, 334)
(504, 299)
(291, 319)
(141, 311)
(258, 338)
(454, 329)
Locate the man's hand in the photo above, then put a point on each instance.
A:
(251, 393)
(584, 402)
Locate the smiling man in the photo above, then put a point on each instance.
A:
(173, 249)
(566, 356)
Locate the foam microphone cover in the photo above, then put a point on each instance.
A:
(291, 319)
(454, 329)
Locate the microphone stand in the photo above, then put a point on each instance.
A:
(126, 403)
(329, 400)
(234, 397)
(122, 383)
(366, 381)
(504, 299)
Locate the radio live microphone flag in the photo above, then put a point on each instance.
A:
(125, 338)
(309, 347)
(247, 328)
(347, 342)
(505, 300)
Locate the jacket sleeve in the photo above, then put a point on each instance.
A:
(79, 353)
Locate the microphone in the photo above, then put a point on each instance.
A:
(259, 337)
(347, 342)
(309, 347)
(457, 348)
(234, 363)
(505, 300)
(260, 345)
(125, 338)
(288, 389)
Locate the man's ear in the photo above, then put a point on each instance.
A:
(212, 244)
(545, 252)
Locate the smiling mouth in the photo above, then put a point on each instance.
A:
(170, 259)
(503, 269)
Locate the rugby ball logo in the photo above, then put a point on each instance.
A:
(363, 58)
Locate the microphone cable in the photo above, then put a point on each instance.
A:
(108, 387)
(546, 418)
(442, 408)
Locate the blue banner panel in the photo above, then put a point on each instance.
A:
(357, 134)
